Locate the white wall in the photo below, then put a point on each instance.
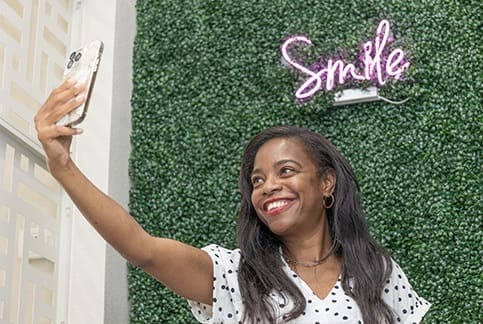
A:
(97, 291)
(116, 294)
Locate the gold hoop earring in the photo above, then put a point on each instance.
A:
(328, 201)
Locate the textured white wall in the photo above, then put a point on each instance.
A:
(89, 281)
(34, 39)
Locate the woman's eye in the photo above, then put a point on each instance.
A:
(256, 181)
(286, 171)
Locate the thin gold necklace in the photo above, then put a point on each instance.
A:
(311, 264)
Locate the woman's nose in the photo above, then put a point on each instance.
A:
(271, 185)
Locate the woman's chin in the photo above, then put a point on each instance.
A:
(280, 228)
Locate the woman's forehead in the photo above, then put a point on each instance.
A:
(279, 149)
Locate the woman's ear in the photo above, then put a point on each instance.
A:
(328, 182)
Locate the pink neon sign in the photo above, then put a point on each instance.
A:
(376, 63)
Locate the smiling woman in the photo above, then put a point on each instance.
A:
(305, 254)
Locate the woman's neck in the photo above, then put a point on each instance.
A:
(310, 247)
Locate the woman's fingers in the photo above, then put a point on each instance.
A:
(63, 99)
(56, 139)
(67, 106)
(55, 131)
(66, 92)
(67, 84)
(60, 94)
(68, 96)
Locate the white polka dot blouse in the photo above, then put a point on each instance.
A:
(336, 307)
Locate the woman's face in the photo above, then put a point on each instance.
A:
(287, 191)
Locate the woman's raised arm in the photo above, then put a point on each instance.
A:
(186, 270)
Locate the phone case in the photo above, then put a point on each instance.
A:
(82, 66)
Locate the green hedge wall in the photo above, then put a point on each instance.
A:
(208, 76)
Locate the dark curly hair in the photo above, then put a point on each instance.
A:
(363, 262)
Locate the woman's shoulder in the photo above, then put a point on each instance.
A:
(220, 254)
(399, 294)
(227, 305)
(397, 274)
(215, 248)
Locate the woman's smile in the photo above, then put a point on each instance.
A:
(273, 207)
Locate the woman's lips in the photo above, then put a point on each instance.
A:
(274, 207)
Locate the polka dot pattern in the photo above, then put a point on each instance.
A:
(337, 307)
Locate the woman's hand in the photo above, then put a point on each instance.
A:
(55, 139)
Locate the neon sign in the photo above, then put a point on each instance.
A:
(376, 63)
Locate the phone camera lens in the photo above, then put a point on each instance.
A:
(78, 56)
(69, 65)
(72, 56)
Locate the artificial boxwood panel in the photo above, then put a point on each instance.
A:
(208, 76)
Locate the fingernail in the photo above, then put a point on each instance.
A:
(79, 130)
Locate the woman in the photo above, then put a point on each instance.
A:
(306, 255)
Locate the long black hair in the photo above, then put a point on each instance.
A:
(364, 263)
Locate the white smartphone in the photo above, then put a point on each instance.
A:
(82, 66)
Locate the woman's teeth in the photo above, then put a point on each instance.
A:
(276, 204)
